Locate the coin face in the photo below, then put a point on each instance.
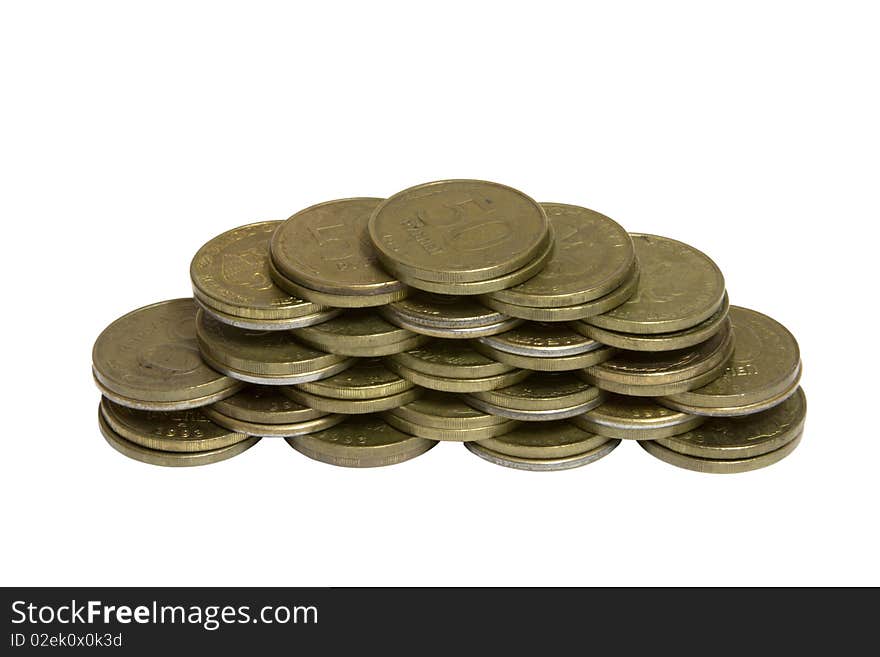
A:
(231, 273)
(326, 248)
(547, 440)
(541, 392)
(443, 410)
(362, 441)
(450, 358)
(635, 418)
(679, 287)
(764, 370)
(150, 358)
(366, 379)
(355, 330)
(444, 311)
(458, 231)
(593, 255)
(264, 405)
(719, 466)
(543, 465)
(542, 340)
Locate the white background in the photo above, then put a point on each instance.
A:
(133, 132)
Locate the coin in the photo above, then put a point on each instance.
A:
(449, 435)
(280, 430)
(764, 371)
(543, 465)
(719, 466)
(444, 311)
(653, 374)
(159, 457)
(359, 333)
(267, 357)
(230, 274)
(569, 313)
(542, 391)
(452, 333)
(635, 418)
(458, 231)
(367, 379)
(149, 359)
(264, 405)
(362, 441)
(450, 358)
(593, 255)
(542, 340)
(659, 341)
(548, 440)
(175, 431)
(353, 406)
(679, 287)
(734, 438)
(443, 410)
(450, 384)
(268, 324)
(335, 300)
(326, 248)
(545, 363)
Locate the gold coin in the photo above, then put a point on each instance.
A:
(449, 384)
(353, 406)
(653, 374)
(659, 341)
(267, 324)
(335, 300)
(326, 248)
(175, 431)
(744, 437)
(679, 287)
(592, 257)
(230, 274)
(443, 410)
(171, 459)
(570, 313)
(719, 466)
(545, 363)
(444, 311)
(458, 231)
(268, 357)
(366, 379)
(448, 435)
(359, 333)
(541, 392)
(362, 441)
(764, 371)
(452, 333)
(451, 359)
(149, 359)
(547, 440)
(264, 405)
(280, 430)
(635, 418)
(543, 465)
(542, 340)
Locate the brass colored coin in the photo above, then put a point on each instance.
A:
(458, 231)
(449, 435)
(660, 341)
(264, 405)
(652, 374)
(444, 311)
(263, 356)
(164, 407)
(266, 430)
(356, 331)
(543, 465)
(230, 274)
(542, 340)
(326, 248)
(449, 384)
(443, 410)
(570, 313)
(172, 459)
(679, 287)
(353, 406)
(366, 379)
(719, 466)
(593, 256)
(545, 363)
(635, 418)
(335, 300)
(549, 440)
(542, 392)
(490, 285)
(362, 441)
(150, 359)
(744, 437)
(764, 371)
(453, 333)
(452, 359)
(549, 415)
(267, 324)
(174, 431)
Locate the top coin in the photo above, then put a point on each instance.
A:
(231, 273)
(326, 248)
(458, 231)
(678, 288)
(592, 256)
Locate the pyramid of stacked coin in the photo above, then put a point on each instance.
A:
(364, 331)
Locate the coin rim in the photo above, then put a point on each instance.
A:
(281, 430)
(447, 384)
(719, 466)
(544, 465)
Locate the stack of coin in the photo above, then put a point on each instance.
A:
(360, 333)
(447, 316)
(542, 396)
(444, 416)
